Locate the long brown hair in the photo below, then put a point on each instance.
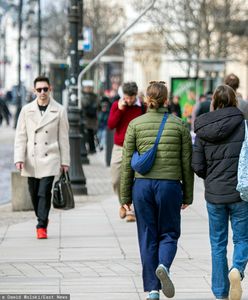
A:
(156, 94)
(224, 96)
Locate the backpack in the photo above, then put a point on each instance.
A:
(242, 185)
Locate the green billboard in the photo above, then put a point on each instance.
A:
(188, 90)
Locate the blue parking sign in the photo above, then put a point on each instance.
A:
(88, 39)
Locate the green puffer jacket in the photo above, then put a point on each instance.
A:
(173, 159)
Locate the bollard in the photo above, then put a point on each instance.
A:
(21, 199)
(109, 145)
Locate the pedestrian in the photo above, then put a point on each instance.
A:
(122, 112)
(203, 104)
(4, 110)
(201, 107)
(89, 109)
(174, 106)
(42, 148)
(219, 137)
(188, 107)
(233, 81)
(103, 114)
(159, 195)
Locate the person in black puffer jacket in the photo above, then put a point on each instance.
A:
(219, 137)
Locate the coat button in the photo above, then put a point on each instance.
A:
(46, 131)
(46, 154)
(46, 143)
(36, 131)
(35, 143)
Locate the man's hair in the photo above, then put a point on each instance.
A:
(224, 96)
(232, 80)
(130, 88)
(41, 78)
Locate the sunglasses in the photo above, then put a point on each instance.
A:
(45, 89)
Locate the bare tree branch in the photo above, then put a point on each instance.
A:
(198, 28)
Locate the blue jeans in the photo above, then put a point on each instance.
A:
(157, 205)
(219, 215)
(101, 134)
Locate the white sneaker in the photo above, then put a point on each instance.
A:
(235, 285)
(166, 283)
(222, 299)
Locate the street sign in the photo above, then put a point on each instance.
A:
(87, 43)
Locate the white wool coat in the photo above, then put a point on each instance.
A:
(42, 142)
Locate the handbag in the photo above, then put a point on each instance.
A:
(62, 193)
(242, 185)
(142, 163)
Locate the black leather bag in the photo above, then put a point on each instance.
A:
(62, 193)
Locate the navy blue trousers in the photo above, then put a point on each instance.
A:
(157, 205)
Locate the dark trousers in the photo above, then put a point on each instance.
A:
(40, 191)
(157, 205)
(91, 140)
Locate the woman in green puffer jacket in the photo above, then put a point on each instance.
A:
(159, 195)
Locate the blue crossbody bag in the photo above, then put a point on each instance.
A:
(142, 163)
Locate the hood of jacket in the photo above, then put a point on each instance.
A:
(219, 124)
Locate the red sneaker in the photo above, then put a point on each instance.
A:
(41, 233)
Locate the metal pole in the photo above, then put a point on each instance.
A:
(19, 98)
(39, 38)
(4, 57)
(116, 39)
(76, 171)
(83, 150)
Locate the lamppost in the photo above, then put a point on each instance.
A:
(39, 38)
(78, 179)
(84, 158)
(33, 5)
(19, 97)
(3, 57)
(4, 7)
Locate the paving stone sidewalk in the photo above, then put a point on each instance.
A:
(92, 254)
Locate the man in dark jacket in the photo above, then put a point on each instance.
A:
(219, 137)
(90, 105)
(202, 107)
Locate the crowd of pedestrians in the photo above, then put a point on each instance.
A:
(159, 194)
(156, 197)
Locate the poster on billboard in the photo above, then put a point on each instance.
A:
(188, 90)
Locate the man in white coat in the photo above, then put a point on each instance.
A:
(42, 148)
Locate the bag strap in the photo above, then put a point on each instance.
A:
(161, 128)
(66, 174)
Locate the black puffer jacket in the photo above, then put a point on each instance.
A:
(219, 137)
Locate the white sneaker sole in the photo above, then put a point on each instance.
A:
(167, 285)
(235, 285)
